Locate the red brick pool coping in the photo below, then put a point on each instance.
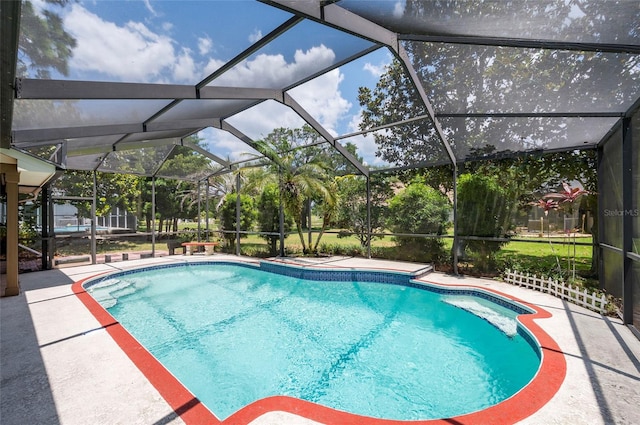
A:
(521, 405)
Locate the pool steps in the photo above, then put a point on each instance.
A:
(503, 322)
(103, 291)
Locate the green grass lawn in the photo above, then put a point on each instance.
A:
(544, 258)
(537, 256)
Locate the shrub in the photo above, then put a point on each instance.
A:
(228, 216)
(254, 251)
(269, 216)
(485, 206)
(420, 209)
(354, 215)
(339, 249)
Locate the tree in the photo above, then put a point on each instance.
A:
(297, 184)
(484, 210)
(220, 186)
(44, 44)
(395, 99)
(460, 78)
(175, 200)
(420, 209)
(228, 221)
(255, 180)
(487, 146)
(328, 208)
(112, 190)
(352, 214)
(177, 194)
(530, 176)
(301, 176)
(269, 215)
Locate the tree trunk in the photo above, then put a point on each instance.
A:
(325, 224)
(299, 228)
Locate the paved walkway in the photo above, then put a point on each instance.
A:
(58, 366)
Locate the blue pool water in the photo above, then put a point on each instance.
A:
(233, 334)
(77, 228)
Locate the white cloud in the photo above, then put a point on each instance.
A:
(185, 68)
(262, 119)
(375, 70)
(274, 71)
(255, 35)
(204, 45)
(366, 144)
(131, 52)
(39, 6)
(147, 4)
(259, 69)
(225, 145)
(317, 56)
(398, 9)
(321, 97)
(212, 65)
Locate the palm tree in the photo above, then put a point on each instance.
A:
(254, 180)
(220, 186)
(299, 180)
(329, 208)
(308, 181)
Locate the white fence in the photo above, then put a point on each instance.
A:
(594, 301)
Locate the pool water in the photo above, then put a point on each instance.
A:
(234, 334)
(77, 228)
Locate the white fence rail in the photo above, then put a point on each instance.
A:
(594, 301)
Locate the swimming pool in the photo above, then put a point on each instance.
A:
(337, 338)
(78, 228)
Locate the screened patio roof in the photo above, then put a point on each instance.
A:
(115, 86)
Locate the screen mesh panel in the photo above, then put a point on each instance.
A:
(460, 79)
(610, 196)
(614, 22)
(474, 138)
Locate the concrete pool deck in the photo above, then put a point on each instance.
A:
(59, 366)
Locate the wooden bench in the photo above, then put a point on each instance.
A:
(208, 247)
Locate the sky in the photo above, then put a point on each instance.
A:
(182, 42)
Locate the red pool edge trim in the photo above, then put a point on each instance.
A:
(181, 400)
(521, 405)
